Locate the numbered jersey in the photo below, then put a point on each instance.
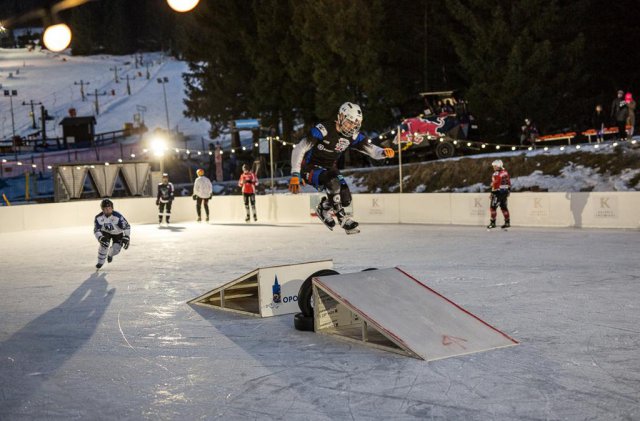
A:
(114, 224)
(165, 192)
(500, 181)
(324, 145)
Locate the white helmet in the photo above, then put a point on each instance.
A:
(498, 163)
(352, 113)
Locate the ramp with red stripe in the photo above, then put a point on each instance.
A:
(392, 310)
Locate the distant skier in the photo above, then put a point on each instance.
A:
(248, 181)
(202, 191)
(314, 161)
(500, 190)
(109, 226)
(164, 198)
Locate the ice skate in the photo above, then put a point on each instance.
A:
(506, 225)
(199, 219)
(255, 217)
(350, 226)
(109, 259)
(491, 225)
(247, 219)
(325, 214)
(98, 266)
(207, 220)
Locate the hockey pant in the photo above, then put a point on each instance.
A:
(114, 250)
(331, 181)
(249, 198)
(199, 202)
(499, 198)
(161, 210)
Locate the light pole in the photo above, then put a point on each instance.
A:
(115, 72)
(271, 162)
(11, 93)
(96, 103)
(81, 83)
(164, 80)
(33, 113)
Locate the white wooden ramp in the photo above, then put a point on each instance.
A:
(264, 292)
(392, 310)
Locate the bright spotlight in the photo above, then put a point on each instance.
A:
(57, 37)
(158, 145)
(182, 5)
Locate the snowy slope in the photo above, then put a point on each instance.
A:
(49, 78)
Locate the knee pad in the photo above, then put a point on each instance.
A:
(345, 195)
(333, 186)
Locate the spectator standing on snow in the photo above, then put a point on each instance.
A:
(619, 114)
(631, 118)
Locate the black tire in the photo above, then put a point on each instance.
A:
(303, 323)
(368, 269)
(445, 150)
(305, 292)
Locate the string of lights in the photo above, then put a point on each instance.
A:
(143, 154)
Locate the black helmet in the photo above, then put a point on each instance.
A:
(245, 167)
(106, 203)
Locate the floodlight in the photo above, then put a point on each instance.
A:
(57, 37)
(182, 5)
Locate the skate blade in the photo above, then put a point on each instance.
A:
(328, 225)
(352, 231)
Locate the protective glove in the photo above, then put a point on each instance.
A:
(389, 153)
(104, 241)
(195, 197)
(294, 182)
(158, 202)
(125, 242)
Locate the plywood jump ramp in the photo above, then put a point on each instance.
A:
(392, 310)
(264, 292)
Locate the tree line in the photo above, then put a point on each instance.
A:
(289, 61)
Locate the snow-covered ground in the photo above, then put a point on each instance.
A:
(54, 80)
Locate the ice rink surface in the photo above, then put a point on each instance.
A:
(123, 343)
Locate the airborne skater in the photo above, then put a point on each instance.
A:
(314, 161)
(109, 226)
(500, 191)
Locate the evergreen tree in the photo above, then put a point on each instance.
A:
(218, 83)
(343, 44)
(522, 58)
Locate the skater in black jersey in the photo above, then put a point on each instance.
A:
(314, 161)
(164, 199)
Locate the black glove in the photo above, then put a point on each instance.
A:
(125, 242)
(158, 202)
(195, 197)
(104, 241)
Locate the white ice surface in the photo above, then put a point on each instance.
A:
(123, 344)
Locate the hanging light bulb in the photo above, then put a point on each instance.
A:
(57, 37)
(182, 5)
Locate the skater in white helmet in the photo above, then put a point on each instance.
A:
(500, 191)
(314, 161)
